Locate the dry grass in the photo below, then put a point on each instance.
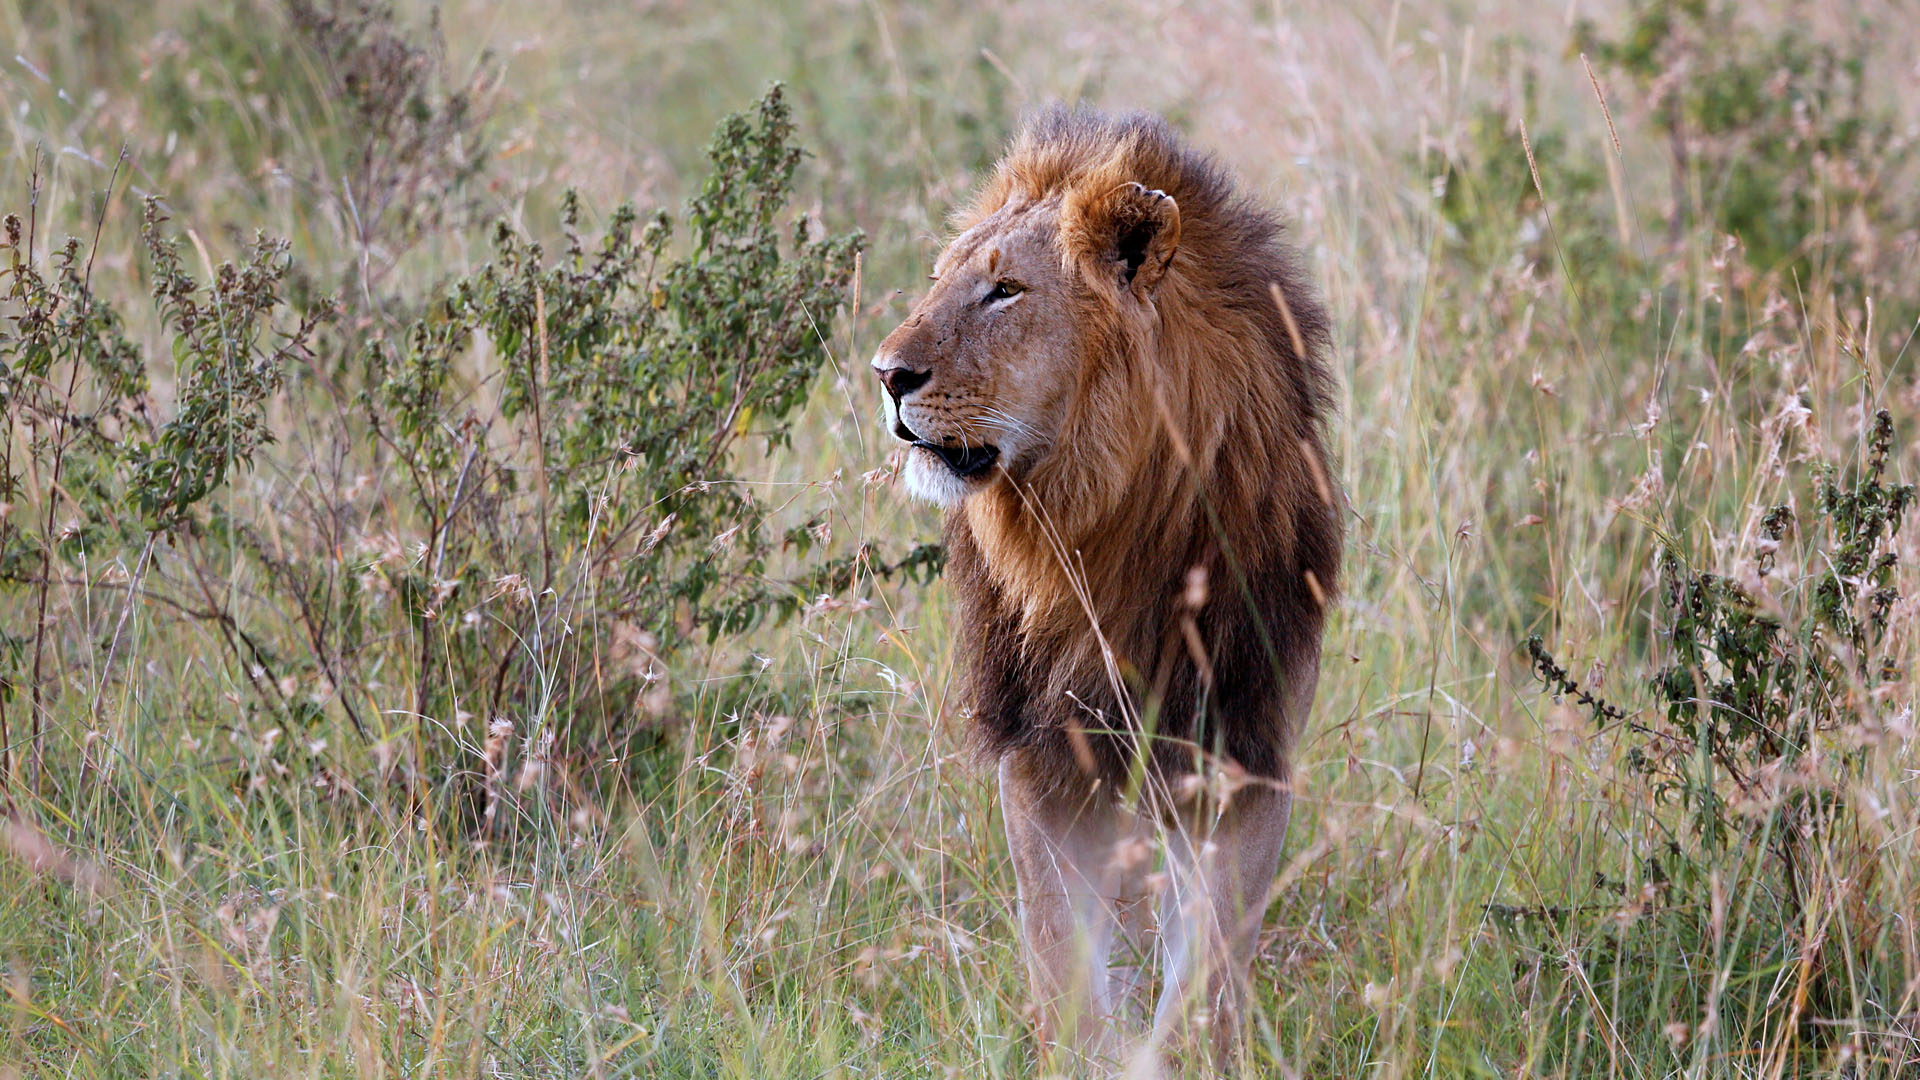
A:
(807, 878)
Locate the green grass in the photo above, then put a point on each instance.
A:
(800, 872)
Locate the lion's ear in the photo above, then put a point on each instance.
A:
(1133, 231)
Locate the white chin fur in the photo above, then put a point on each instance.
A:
(931, 480)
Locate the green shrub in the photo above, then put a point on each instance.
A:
(601, 490)
(98, 476)
(561, 447)
(1769, 689)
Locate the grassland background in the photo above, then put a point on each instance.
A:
(818, 887)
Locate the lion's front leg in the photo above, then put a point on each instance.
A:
(1077, 861)
(1219, 868)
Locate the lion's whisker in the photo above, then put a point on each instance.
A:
(1000, 421)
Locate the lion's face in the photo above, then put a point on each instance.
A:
(982, 377)
(979, 374)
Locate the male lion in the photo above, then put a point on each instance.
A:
(1117, 386)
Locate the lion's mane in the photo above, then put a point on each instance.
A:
(1164, 573)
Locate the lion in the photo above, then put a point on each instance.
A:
(1117, 385)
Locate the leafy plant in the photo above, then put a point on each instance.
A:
(226, 370)
(96, 473)
(603, 488)
(566, 442)
(1753, 683)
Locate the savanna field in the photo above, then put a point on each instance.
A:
(458, 615)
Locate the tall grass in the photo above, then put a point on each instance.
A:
(1560, 356)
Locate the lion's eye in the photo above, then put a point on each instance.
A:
(1002, 290)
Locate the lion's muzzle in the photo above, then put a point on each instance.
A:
(962, 458)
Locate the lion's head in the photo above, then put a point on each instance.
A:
(988, 375)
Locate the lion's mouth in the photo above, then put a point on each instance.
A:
(965, 462)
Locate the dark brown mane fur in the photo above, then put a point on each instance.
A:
(1167, 569)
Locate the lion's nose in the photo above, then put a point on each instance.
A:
(901, 381)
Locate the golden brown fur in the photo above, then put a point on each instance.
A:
(1117, 384)
(1193, 438)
